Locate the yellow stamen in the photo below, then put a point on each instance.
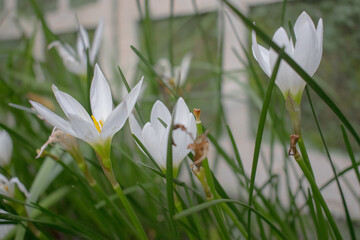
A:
(101, 123)
(96, 123)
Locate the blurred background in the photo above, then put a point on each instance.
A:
(220, 81)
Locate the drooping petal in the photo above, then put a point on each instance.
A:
(96, 41)
(6, 148)
(115, 121)
(261, 55)
(84, 130)
(68, 55)
(15, 181)
(159, 111)
(133, 95)
(53, 119)
(100, 96)
(70, 105)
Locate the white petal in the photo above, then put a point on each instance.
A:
(163, 68)
(181, 112)
(53, 119)
(21, 186)
(159, 111)
(307, 47)
(82, 42)
(96, 41)
(115, 121)
(285, 73)
(70, 105)
(65, 52)
(152, 143)
(261, 55)
(185, 67)
(6, 148)
(302, 21)
(180, 147)
(83, 129)
(135, 127)
(100, 96)
(133, 95)
(69, 58)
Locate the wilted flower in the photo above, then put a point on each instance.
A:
(179, 74)
(154, 135)
(7, 187)
(76, 62)
(307, 53)
(66, 141)
(98, 129)
(6, 148)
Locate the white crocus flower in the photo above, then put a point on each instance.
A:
(76, 61)
(163, 68)
(105, 120)
(307, 53)
(154, 135)
(7, 187)
(6, 148)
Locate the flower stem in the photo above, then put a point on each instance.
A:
(79, 159)
(107, 168)
(308, 174)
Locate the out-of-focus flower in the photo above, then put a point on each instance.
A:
(307, 53)
(6, 148)
(154, 135)
(76, 62)
(5, 228)
(163, 68)
(104, 122)
(7, 187)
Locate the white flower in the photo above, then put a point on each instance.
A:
(6, 148)
(76, 62)
(7, 187)
(154, 135)
(104, 122)
(163, 68)
(307, 53)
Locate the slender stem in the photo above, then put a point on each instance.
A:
(130, 211)
(317, 193)
(107, 168)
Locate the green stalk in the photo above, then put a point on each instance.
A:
(259, 135)
(209, 179)
(317, 193)
(107, 168)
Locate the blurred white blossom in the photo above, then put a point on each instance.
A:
(7, 187)
(6, 148)
(76, 61)
(179, 74)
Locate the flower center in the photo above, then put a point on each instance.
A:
(96, 123)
